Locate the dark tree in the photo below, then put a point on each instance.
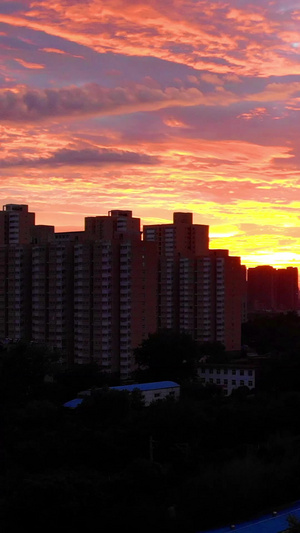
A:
(214, 351)
(23, 368)
(168, 355)
(277, 334)
(108, 406)
(293, 524)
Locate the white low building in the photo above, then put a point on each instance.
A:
(228, 376)
(151, 392)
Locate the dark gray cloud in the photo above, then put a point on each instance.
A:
(85, 156)
(25, 104)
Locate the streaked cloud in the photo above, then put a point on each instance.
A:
(26, 64)
(24, 103)
(57, 51)
(82, 157)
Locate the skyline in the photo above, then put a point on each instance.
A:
(156, 107)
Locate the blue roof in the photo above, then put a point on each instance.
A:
(147, 386)
(73, 403)
(140, 386)
(271, 523)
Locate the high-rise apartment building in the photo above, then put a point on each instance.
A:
(220, 296)
(271, 289)
(15, 291)
(115, 279)
(90, 294)
(287, 297)
(96, 294)
(200, 291)
(15, 273)
(52, 295)
(15, 224)
(182, 239)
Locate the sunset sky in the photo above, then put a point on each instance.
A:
(156, 106)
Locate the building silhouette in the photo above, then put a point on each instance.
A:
(96, 294)
(15, 224)
(93, 292)
(200, 291)
(271, 289)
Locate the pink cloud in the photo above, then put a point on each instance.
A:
(58, 51)
(257, 112)
(172, 122)
(198, 34)
(26, 64)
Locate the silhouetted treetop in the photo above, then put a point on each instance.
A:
(168, 355)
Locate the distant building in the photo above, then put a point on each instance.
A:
(15, 224)
(271, 289)
(228, 376)
(150, 392)
(286, 286)
(15, 291)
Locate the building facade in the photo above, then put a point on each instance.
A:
(228, 376)
(96, 294)
(150, 392)
(176, 241)
(15, 224)
(271, 289)
(89, 294)
(200, 291)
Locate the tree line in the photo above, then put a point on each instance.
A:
(198, 463)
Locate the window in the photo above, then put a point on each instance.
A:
(250, 383)
(233, 371)
(233, 382)
(242, 382)
(218, 371)
(225, 381)
(210, 370)
(241, 372)
(225, 371)
(218, 381)
(211, 380)
(250, 372)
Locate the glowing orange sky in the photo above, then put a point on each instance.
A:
(190, 105)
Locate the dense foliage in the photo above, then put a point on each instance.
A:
(166, 355)
(278, 334)
(202, 462)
